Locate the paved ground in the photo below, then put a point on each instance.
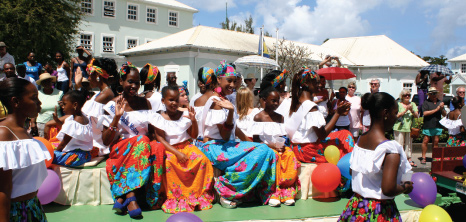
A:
(417, 154)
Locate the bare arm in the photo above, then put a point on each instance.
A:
(70, 83)
(6, 187)
(64, 142)
(160, 137)
(68, 70)
(240, 134)
(431, 112)
(390, 170)
(193, 130)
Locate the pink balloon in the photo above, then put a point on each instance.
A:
(50, 188)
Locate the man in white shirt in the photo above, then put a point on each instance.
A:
(366, 118)
(5, 57)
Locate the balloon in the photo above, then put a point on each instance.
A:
(326, 177)
(184, 217)
(50, 188)
(434, 213)
(424, 189)
(49, 147)
(464, 161)
(344, 166)
(332, 154)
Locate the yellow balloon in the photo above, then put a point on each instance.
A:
(433, 213)
(332, 154)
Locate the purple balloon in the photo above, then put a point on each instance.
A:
(50, 188)
(184, 217)
(464, 161)
(424, 189)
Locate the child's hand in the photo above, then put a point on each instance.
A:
(192, 114)
(55, 115)
(182, 158)
(224, 104)
(120, 106)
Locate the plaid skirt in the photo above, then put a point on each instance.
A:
(359, 208)
(27, 211)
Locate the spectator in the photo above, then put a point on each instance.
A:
(171, 79)
(436, 80)
(49, 98)
(366, 118)
(238, 84)
(433, 111)
(402, 129)
(328, 62)
(250, 81)
(460, 91)
(422, 83)
(21, 70)
(355, 110)
(63, 73)
(80, 61)
(321, 97)
(343, 121)
(10, 70)
(454, 124)
(5, 57)
(33, 68)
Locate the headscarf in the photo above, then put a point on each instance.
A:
(225, 69)
(207, 75)
(93, 68)
(124, 67)
(184, 88)
(279, 79)
(151, 73)
(307, 75)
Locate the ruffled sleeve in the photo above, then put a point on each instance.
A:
(171, 127)
(450, 124)
(370, 161)
(215, 116)
(314, 118)
(75, 130)
(267, 128)
(20, 154)
(93, 108)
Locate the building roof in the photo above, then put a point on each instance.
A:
(173, 4)
(460, 58)
(376, 50)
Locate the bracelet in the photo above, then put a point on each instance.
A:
(113, 128)
(228, 126)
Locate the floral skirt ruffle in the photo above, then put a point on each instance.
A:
(188, 185)
(72, 158)
(136, 163)
(287, 167)
(27, 211)
(359, 208)
(456, 140)
(249, 169)
(314, 152)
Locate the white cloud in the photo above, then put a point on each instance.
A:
(209, 5)
(450, 18)
(456, 51)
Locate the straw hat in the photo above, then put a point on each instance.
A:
(45, 76)
(432, 90)
(250, 76)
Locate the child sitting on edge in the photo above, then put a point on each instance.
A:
(76, 133)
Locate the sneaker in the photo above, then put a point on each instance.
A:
(289, 202)
(274, 203)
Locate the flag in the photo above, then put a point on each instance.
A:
(263, 47)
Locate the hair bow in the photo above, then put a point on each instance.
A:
(184, 88)
(207, 75)
(225, 69)
(151, 73)
(92, 68)
(279, 78)
(307, 75)
(124, 68)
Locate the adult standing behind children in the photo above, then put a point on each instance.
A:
(80, 61)
(366, 119)
(33, 68)
(5, 57)
(433, 111)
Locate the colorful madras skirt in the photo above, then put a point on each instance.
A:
(72, 158)
(456, 140)
(249, 169)
(27, 211)
(135, 163)
(359, 208)
(314, 152)
(287, 167)
(188, 185)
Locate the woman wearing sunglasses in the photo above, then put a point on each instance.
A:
(402, 129)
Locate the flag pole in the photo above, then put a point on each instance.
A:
(262, 47)
(276, 49)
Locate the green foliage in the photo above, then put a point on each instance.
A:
(40, 26)
(232, 25)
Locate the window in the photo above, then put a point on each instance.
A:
(408, 86)
(86, 7)
(109, 9)
(131, 43)
(132, 12)
(173, 18)
(108, 44)
(151, 15)
(86, 41)
(463, 68)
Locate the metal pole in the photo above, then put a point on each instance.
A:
(261, 41)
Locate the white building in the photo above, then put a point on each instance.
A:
(458, 66)
(368, 57)
(111, 26)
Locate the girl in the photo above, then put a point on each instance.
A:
(245, 111)
(99, 71)
(343, 122)
(151, 76)
(454, 124)
(184, 96)
(75, 134)
(267, 126)
(80, 61)
(377, 165)
(20, 180)
(207, 77)
(33, 68)
(321, 98)
(134, 162)
(189, 174)
(63, 72)
(249, 167)
(201, 83)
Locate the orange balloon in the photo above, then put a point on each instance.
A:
(49, 148)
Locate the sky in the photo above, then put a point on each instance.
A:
(425, 27)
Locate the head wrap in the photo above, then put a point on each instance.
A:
(184, 88)
(92, 68)
(151, 73)
(279, 79)
(124, 67)
(307, 75)
(207, 75)
(225, 69)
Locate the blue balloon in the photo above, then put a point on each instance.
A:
(184, 217)
(344, 166)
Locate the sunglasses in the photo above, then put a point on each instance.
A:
(432, 93)
(373, 84)
(461, 92)
(407, 95)
(351, 87)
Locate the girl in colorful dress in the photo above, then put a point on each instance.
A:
(188, 178)
(200, 83)
(208, 79)
(268, 127)
(249, 167)
(134, 162)
(377, 166)
(20, 180)
(99, 71)
(454, 124)
(245, 111)
(75, 135)
(151, 77)
(184, 96)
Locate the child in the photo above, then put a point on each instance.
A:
(75, 134)
(184, 96)
(454, 124)
(377, 165)
(245, 111)
(22, 159)
(266, 127)
(189, 174)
